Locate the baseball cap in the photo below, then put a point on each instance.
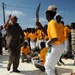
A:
(52, 8)
(59, 16)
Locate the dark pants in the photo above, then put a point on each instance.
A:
(14, 56)
(1, 52)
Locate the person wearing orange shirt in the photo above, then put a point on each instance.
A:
(40, 38)
(66, 33)
(56, 40)
(58, 19)
(32, 37)
(25, 51)
(40, 60)
(26, 36)
(38, 32)
(43, 53)
(55, 43)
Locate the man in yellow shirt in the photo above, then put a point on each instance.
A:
(66, 33)
(39, 33)
(25, 50)
(56, 40)
(58, 19)
(55, 35)
(26, 33)
(40, 60)
(43, 53)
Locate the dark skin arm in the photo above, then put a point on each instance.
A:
(38, 24)
(6, 24)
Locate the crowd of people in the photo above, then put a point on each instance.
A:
(44, 46)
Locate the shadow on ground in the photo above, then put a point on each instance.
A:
(3, 60)
(33, 72)
(62, 71)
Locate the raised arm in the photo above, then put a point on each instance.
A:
(7, 22)
(38, 24)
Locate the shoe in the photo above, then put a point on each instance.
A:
(8, 68)
(16, 71)
(42, 70)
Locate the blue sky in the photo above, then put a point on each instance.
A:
(25, 10)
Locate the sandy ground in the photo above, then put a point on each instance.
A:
(29, 68)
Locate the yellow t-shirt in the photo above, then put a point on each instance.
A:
(45, 37)
(26, 35)
(61, 27)
(25, 50)
(40, 34)
(66, 31)
(32, 36)
(43, 55)
(54, 31)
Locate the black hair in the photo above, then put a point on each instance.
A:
(62, 22)
(42, 44)
(58, 18)
(25, 43)
(73, 25)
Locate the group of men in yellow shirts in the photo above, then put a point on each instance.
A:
(33, 44)
(57, 35)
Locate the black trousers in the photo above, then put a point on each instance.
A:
(1, 52)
